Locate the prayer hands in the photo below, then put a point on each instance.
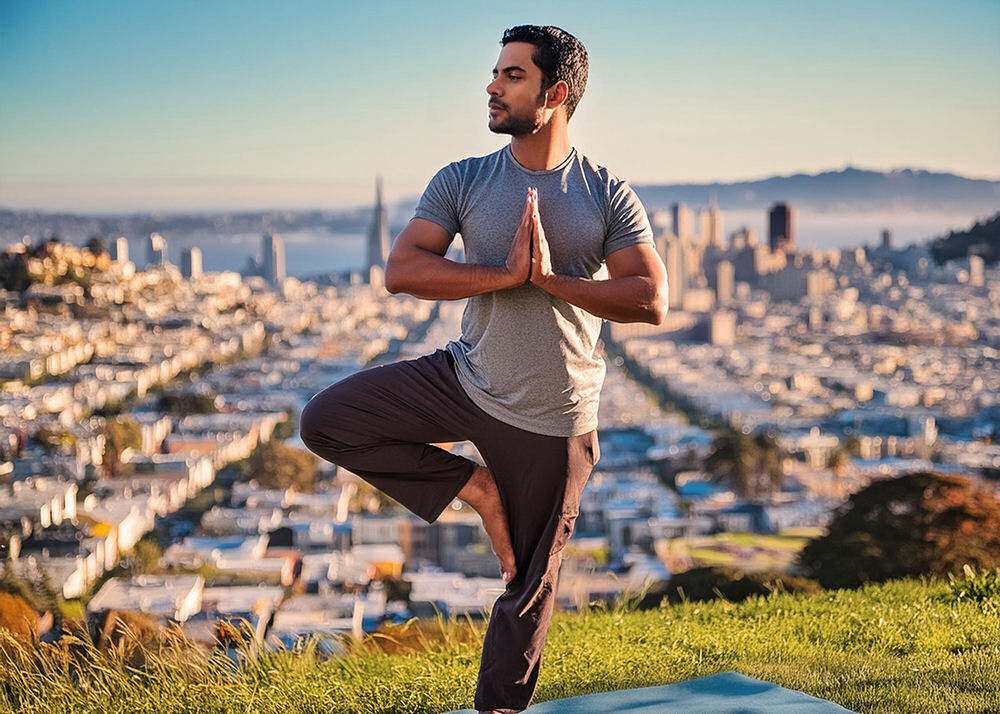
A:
(518, 263)
(541, 259)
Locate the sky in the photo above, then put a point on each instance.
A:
(114, 105)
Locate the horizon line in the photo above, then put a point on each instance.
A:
(259, 180)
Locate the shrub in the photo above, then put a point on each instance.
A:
(712, 582)
(274, 464)
(133, 634)
(981, 587)
(18, 618)
(919, 524)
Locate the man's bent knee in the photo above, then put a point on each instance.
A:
(315, 423)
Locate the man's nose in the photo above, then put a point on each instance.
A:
(492, 89)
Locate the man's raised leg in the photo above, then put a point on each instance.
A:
(381, 423)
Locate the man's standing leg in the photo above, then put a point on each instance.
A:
(540, 480)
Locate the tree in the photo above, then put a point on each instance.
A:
(366, 497)
(54, 440)
(751, 464)
(18, 618)
(120, 433)
(839, 458)
(95, 244)
(12, 584)
(923, 523)
(187, 403)
(146, 555)
(14, 273)
(284, 429)
(274, 464)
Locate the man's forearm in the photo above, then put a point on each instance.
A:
(632, 298)
(427, 275)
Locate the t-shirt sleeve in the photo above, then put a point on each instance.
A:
(439, 202)
(627, 221)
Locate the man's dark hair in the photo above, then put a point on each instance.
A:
(559, 55)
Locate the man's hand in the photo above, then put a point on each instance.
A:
(541, 259)
(518, 263)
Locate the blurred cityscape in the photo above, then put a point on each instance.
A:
(150, 460)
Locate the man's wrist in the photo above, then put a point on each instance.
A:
(506, 279)
(547, 282)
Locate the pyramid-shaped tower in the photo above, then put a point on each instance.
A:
(378, 237)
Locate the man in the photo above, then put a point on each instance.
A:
(538, 219)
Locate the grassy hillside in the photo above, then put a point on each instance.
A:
(904, 646)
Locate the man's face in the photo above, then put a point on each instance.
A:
(517, 101)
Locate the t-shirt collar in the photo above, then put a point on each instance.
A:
(557, 169)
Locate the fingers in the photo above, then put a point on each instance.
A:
(530, 214)
(526, 216)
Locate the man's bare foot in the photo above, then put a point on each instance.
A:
(481, 493)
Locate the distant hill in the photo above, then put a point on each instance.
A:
(80, 226)
(982, 239)
(850, 189)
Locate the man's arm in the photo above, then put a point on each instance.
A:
(416, 265)
(637, 289)
(635, 292)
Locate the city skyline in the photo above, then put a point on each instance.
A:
(118, 107)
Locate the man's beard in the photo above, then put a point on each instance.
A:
(519, 125)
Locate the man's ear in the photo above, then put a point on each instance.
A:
(556, 94)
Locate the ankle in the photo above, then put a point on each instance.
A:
(475, 488)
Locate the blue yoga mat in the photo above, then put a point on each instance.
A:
(722, 693)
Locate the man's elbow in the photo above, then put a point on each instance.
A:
(392, 276)
(658, 310)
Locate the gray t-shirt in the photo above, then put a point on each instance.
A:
(526, 357)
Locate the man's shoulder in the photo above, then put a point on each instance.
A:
(599, 171)
(472, 164)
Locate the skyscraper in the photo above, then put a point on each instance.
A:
(743, 238)
(704, 226)
(119, 250)
(378, 236)
(725, 280)
(191, 262)
(715, 230)
(977, 276)
(781, 228)
(683, 220)
(273, 254)
(157, 250)
(722, 327)
(886, 239)
(676, 274)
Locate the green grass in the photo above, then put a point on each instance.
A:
(904, 646)
(767, 551)
(755, 540)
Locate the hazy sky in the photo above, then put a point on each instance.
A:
(109, 105)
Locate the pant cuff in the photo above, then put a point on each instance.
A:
(434, 514)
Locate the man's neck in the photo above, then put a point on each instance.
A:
(543, 150)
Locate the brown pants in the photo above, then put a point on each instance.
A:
(380, 423)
